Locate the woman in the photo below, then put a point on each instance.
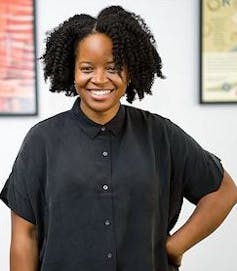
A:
(100, 186)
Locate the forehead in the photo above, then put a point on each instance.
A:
(96, 46)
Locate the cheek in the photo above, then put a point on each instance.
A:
(121, 82)
(124, 79)
(81, 79)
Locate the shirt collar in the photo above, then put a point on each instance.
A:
(92, 128)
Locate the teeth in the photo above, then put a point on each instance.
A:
(100, 92)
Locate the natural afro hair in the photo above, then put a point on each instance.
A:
(133, 46)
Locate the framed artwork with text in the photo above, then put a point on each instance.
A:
(18, 88)
(218, 58)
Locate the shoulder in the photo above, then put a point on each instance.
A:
(46, 128)
(145, 117)
(54, 122)
(156, 125)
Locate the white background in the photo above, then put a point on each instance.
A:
(175, 25)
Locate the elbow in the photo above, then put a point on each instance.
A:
(235, 196)
(228, 189)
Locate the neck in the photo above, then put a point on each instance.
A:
(100, 117)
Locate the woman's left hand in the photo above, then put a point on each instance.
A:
(209, 213)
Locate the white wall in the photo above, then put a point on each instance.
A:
(175, 25)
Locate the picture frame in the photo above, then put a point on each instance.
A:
(18, 70)
(218, 51)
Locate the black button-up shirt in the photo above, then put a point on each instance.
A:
(104, 197)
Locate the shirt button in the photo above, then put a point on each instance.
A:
(105, 153)
(109, 255)
(107, 222)
(102, 129)
(105, 187)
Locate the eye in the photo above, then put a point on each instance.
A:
(112, 69)
(86, 69)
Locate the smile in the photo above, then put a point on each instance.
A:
(100, 92)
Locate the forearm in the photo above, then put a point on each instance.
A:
(24, 255)
(208, 215)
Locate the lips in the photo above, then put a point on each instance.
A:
(100, 92)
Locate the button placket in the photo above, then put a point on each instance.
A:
(106, 188)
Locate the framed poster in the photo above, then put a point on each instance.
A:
(218, 57)
(18, 93)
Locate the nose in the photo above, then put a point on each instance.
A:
(99, 77)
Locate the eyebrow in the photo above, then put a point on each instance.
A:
(88, 62)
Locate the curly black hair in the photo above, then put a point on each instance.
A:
(133, 46)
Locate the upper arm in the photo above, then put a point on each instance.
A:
(195, 171)
(22, 229)
(227, 190)
(24, 254)
(22, 190)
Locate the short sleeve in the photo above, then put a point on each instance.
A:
(195, 171)
(21, 190)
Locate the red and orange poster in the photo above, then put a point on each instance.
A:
(17, 58)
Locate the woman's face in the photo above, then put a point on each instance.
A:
(96, 80)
